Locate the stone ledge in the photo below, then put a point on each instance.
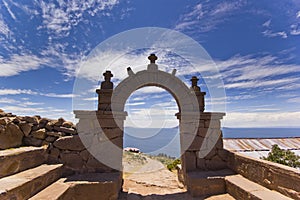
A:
(268, 174)
(240, 187)
(16, 160)
(90, 186)
(200, 183)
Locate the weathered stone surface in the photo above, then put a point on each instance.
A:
(4, 121)
(72, 143)
(10, 136)
(26, 184)
(94, 165)
(67, 130)
(102, 186)
(16, 160)
(53, 155)
(282, 178)
(59, 122)
(39, 134)
(33, 120)
(216, 163)
(206, 182)
(25, 127)
(67, 124)
(50, 139)
(49, 126)
(242, 188)
(189, 160)
(84, 155)
(55, 134)
(31, 141)
(43, 122)
(72, 160)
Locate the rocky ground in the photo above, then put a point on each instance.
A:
(149, 179)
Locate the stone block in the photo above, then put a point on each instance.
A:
(93, 165)
(31, 141)
(10, 136)
(20, 159)
(113, 132)
(39, 134)
(196, 143)
(216, 163)
(206, 183)
(201, 163)
(202, 132)
(72, 143)
(70, 131)
(212, 124)
(189, 160)
(102, 186)
(72, 160)
(25, 127)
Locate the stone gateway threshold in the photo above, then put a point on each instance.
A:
(54, 159)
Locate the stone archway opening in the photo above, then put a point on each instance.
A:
(150, 143)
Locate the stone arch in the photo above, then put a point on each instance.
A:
(201, 143)
(184, 97)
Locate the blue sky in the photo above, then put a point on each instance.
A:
(255, 45)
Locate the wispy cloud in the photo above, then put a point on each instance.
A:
(261, 119)
(9, 10)
(18, 63)
(16, 92)
(269, 33)
(4, 29)
(253, 71)
(204, 17)
(30, 92)
(60, 17)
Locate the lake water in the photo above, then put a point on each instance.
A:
(155, 141)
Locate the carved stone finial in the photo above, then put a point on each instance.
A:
(107, 84)
(195, 83)
(152, 58)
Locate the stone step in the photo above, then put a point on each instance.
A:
(90, 186)
(241, 188)
(201, 183)
(19, 159)
(221, 197)
(56, 191)
(27, 183)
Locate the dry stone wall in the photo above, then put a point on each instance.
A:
(16, 131)
(63, 143)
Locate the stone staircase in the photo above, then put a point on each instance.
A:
(25, 174)
(215, 184)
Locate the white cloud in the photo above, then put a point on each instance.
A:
(4, 29)
(16, 92)
(295, 30)
(267, 23)
(59, 18)
(294, 100)
(58, 95)
(298, 14)
(269, 33)
(253, 71)
(261, 119)
(18, 63)
(9, 10)
(204, 17)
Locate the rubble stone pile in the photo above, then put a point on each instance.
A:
(16, 131)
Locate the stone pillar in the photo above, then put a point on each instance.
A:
(203, 142)
(101, 132)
